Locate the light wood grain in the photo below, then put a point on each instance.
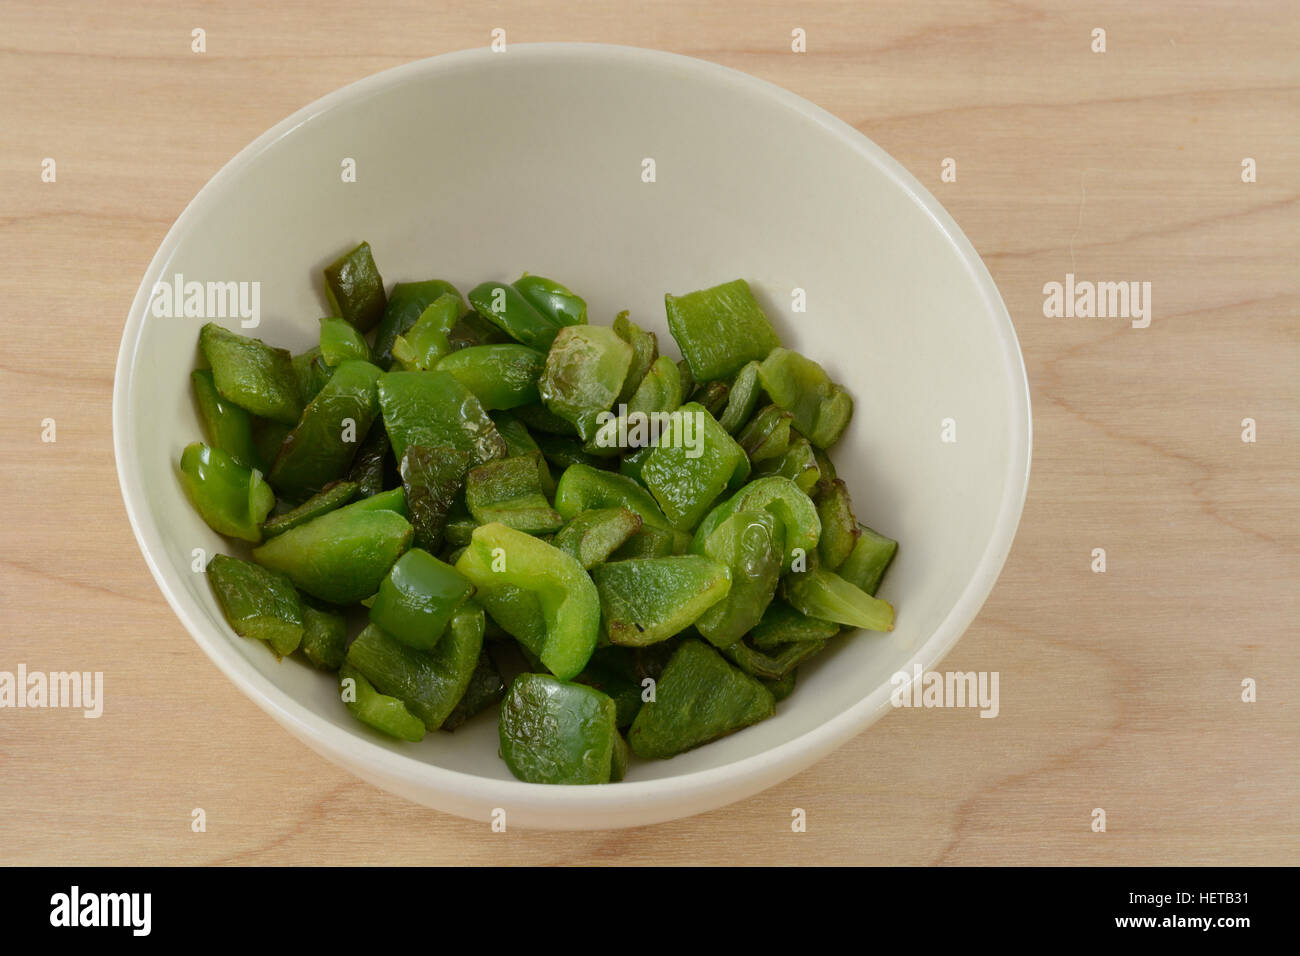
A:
(1119, 691)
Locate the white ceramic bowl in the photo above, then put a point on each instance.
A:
(480, 165)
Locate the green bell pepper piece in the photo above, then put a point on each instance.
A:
(699, 698)
(257, 603)
(767, 435)
(620, 759)
(324, 636)
(720, 329)
(228, 426)
(552, 299)
(782, 687)
(380, 711)
(429, 683)
(614, 671)
(341, 342)
(751, 545)
(582, 488)
(784, 499)
(485, 689)
(312, 373)
(782, 624)
(660, 390)
(649, 543)
(509, 490)
(645, 350)
(371, 465)
(539, 418)
(799, 464)
(473, 329)
(584, 374)
(433, 479)
(504, 307)
(232, 499)
(742, 399)
(519, 441)
(425, 343)
(394, 500)
(332, 496)
(340, 557)
(824, 594)
(647, 600)
(871, 556)
(556, 732)
(355, 289)
(500, 376)
(592, 536)
(773, 666)
(713, 396)
(321, 448)
(570, 606)
(821, 409)
(693, 463)
(405, 306)
(564, 452)
(268, 436)
(256, 377)
(418, 598)
(433, 409)
(839, 528)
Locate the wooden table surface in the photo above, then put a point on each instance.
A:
(1119, 690)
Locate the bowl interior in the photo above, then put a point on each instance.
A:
(480, 166)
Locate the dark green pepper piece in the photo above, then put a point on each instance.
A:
(564, 452)
(539, 419)
(385, 714)
(228, 426)
(556, 732)
(720, 329)
(340, 557)
(324, 636)
(767, 434)
(501, 376)
(871, 556)
(614, 671)
(418, 598)
(485, 689)
(839, 528)
(584, 375)
(824, 594)
(782, 687)
(433, 479)
(473, 329)
(645, 350)
(782, 624)
(370, 466)
(552, 299)
(332, 496)
(699, 698)
(322, 447)
(583, 487)
(341, 342)
(693, 463)
(742, 399)
(232, 499)
(799, 464)
(648, 543)
(821, 409)
(660, 389)
(519, 441)
(713, 396)
(312, 373)
(355, 289)
(404, 308)
(751, 545)
(592, 536)
(268, 436)
(509, 490)
(504, 307)
(433, 409)
(256, 377)
(773, 666)
(424, 344)
(647, 600)
(257, 603)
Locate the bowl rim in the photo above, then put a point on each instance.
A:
(685, 794)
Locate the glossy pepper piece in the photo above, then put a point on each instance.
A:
(751, 545)
(228, 426)
(500, 556)
(782, 687)
(660, 390)
(418, 598)
(504, 307)
(340, 557)
(500, 376)
(766, 436)
(698, 698)
(840, 530)
(824, 594)
(742, 399)
(552, 299)
(784, 499)
(433, 409)
(371, 465)
(473, 329)
(562, 452)
(429, 683)
(394, 500)
(650, 543)
(341, 342)
(583, 487)
(542, 421)
(232, 499)
(871, 556)
(645, 349)
(614, 671)
(647, 600)
(773, 665)
(485, 689)
(405, 306)
(383, 713)
(324, 636)
(799, 464)
(324, 443)
(433, 479)
(782, 624)
(557, 732)
(821, 409)
(519, 441)
(355, 289)
(509, 491)
(257, 603)
(425, 343)
(693, 463)
(720, 329)
(332, 496)
(592, 536)
(713, 396)
(584, 374)
(255, 376)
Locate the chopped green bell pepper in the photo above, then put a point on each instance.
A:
(871, 556)
(824, 594)
(767, 435)
(324, 636)
(418, 598)
(228, 426)
(504, 307)
(647, 600)
(821, 409)
(355, 289)
(694, 462)
(799, 464)
(404, 308)
(485, 689)
(720, 329)
(556, 732)
(341, 342)
(433, 479)
(742, 399)
(424, 344)
(256, 377)
(509, 490)
(782, 624)
(645, 350)
(592, 536)
(434, 409)
(784, 499)
(332, 496)
(380, 711)
(257, 603)
(751, 545)
(500, 376)
(584, 374)
(552, 299)
(232, 499)
(839, 528)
